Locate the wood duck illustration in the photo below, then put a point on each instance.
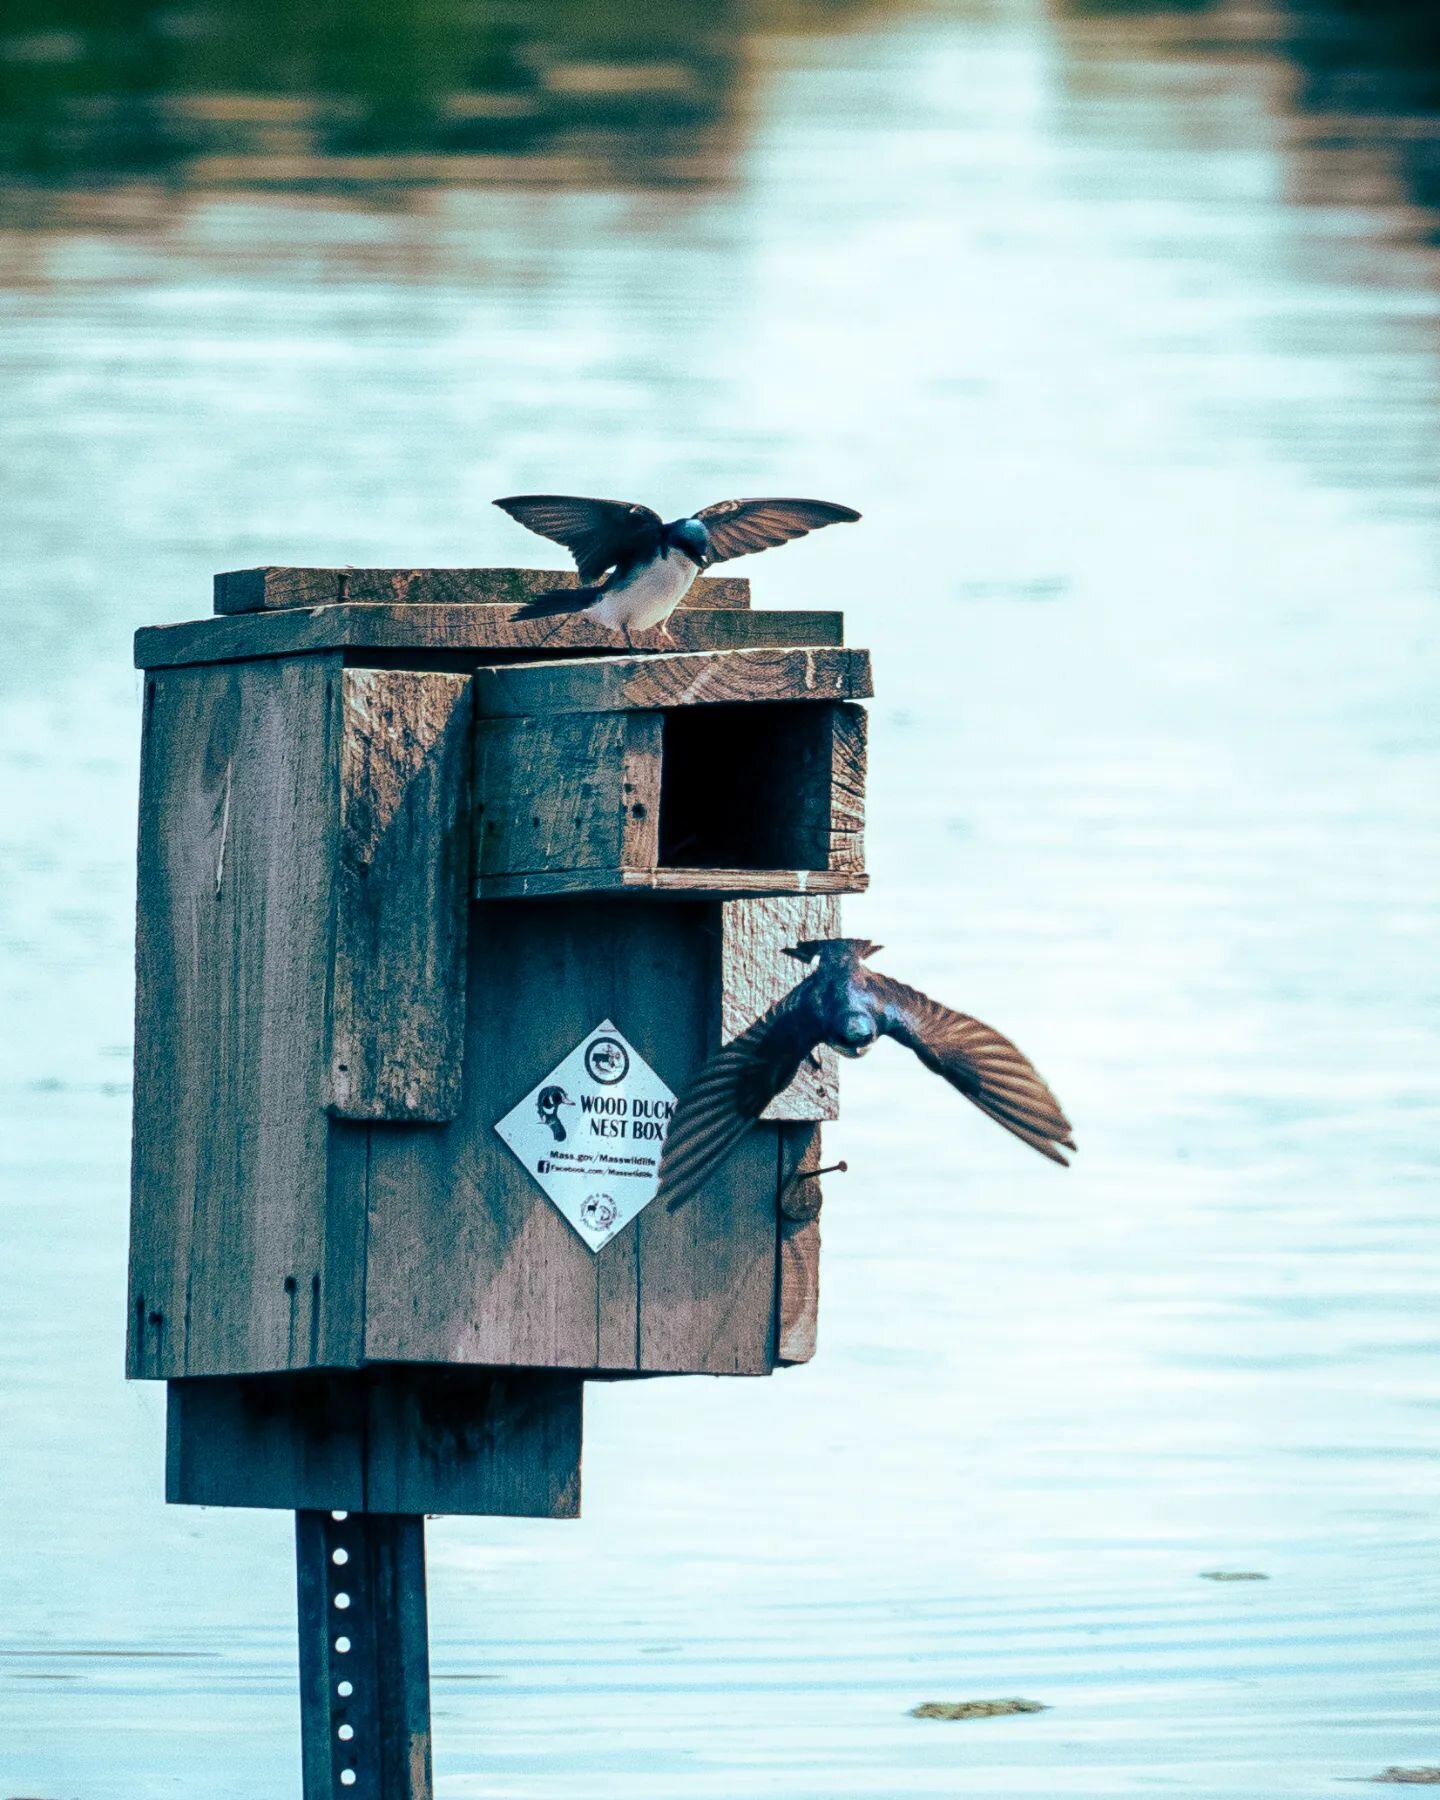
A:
(548, 1103)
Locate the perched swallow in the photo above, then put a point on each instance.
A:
(845, 1005)
(636, 568)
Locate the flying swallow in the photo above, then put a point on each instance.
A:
(636, 568)
(845, 1005)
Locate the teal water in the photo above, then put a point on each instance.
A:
(1123, 335)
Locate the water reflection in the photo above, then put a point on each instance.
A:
(1363, 76)
(261, 92)
(1370, 73)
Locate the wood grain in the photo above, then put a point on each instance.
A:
(798, 1296)
(719, 1281)
(848, 756)
(388, 1440)
(250, 590)
(429, 630)
(675, 884)
(578, 791)
(499, 1442)
(645, 683)
(469, 1262)
(397, 1018)
(236, 1265)
(272, 589)
(755, 973)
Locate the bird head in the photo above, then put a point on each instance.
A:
(858, 1031)
(550, 1100)
(691, 537)
(841, 950)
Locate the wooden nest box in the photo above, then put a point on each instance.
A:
(402, 855)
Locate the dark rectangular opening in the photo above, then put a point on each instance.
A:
(746, 787)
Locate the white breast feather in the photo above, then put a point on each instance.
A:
(649, 596)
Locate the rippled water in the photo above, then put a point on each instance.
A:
(1125, 341)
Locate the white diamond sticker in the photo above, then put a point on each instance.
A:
(591, 1133)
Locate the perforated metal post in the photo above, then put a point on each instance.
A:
(364, 1656)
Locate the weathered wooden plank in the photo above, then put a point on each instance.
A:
(715, 1261)
(676, 884)
(645, 683)
(755, 973)
(798, 1298)
(287, 1441)
(333, 1333)
(397, 1018)
(271, 589)
(469, 1262)
(847, 787)
(389, 1440)
(232, 1255)
(361, 628)
(578, 791)
(461, 1441)
(251, 590)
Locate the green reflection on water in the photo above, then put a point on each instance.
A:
(264, 89)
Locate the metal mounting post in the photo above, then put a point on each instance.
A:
(364, 1656)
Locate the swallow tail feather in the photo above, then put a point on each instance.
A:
(558, 600)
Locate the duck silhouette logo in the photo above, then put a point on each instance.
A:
(548, 1103)
(599, 1212)
(606, 1061)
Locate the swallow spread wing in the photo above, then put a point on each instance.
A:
(977, 1061)
(599, 534)
(741, 527)
(735, 1086)
(614, 534)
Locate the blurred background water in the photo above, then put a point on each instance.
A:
(1119, 323)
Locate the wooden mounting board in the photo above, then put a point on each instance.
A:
(273, 589)
(379, 1440)
(677, 884)
(428, 630)
(657, 683)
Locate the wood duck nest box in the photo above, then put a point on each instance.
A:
(402, 855)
